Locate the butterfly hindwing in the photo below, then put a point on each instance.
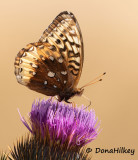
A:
(39, 69)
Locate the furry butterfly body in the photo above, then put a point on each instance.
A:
(53, 65)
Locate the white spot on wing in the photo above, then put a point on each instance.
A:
(24, 54)
(51, 58)
(34, 65)
(41, 47)
(35, 51)
(75, 49)
(72, 31)
(50, 34)
(69, 46)
(31, 49)
(69, 38)
(51, 74)
(77, 59)
(60, 60)
(63, 37)
(34, 73)
(65, 82)
(43, 58)
(44, 39)
(64, 72)
(66, 19)
(62, 21)
(18, 77)
(25, 80)
(54, 86)
(45, 82)
(20, 61)
(76, 39)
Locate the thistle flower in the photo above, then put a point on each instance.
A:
(59, 131)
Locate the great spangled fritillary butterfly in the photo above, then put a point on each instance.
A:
(53, 65)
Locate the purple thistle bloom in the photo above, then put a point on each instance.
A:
(63, 123)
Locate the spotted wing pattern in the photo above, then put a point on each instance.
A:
(65, 34)
(54, 63)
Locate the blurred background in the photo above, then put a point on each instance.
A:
(110, 34)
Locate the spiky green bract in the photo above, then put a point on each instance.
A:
(36, 148)
(3, 156)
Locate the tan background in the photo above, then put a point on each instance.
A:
(110, 32)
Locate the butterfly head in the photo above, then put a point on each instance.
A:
(67, 95)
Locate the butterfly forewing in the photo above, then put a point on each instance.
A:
(64, 32)
(54, 63)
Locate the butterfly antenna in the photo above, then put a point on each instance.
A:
(94, 80)
(88, 100)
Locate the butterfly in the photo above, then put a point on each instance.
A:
(53, 65)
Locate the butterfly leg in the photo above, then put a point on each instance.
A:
(67, 101)
(73, 104)
(50, 98)
(75, 116)
(56, 109)
(87, 106)
(88, 100)
(56, 98)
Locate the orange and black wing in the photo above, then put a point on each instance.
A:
(54, 63)
(65, 34)
(39, 69)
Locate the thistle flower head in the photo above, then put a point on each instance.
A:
(70, 126)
